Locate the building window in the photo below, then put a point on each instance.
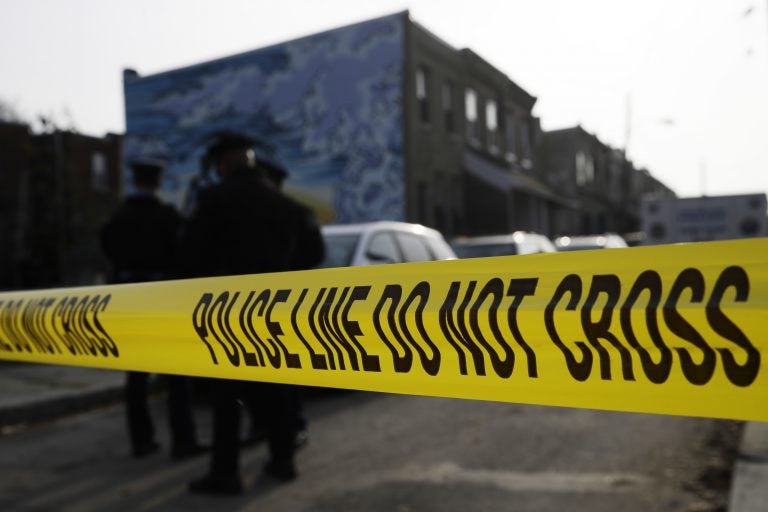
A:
(470, 107)
(585, 168)
(510, 132)
(99, 172)
(422, 92)
(447, 101)
(492, 126)
(525, 142)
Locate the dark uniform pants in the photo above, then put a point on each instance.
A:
(180, 415)
(277, 403)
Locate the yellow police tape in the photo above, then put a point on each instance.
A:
(673, 329)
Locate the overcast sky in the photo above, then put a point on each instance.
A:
(693, 72)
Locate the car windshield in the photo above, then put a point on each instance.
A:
(483, 250)
(339, 250)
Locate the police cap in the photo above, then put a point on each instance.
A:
(224, 143)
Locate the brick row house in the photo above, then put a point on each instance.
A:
(56, 190)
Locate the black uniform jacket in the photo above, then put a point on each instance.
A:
(245, 225)
(141, 240)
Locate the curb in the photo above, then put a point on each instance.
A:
(749, 488)
(45, 410)
(31, 393)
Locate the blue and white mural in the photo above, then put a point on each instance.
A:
(329, 105)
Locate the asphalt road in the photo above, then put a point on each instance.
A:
(376, 452)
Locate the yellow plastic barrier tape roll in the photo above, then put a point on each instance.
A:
(672, 329)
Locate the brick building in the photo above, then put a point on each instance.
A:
(605, 188)
(15, 163)
(471, 136)
(376, 120)
(383, 120)
(56, 189)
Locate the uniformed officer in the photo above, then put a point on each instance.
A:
(244, 225)
(276, 174)
(141, 240)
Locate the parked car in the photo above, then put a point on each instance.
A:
(374, 243)
(581, 243)
(519, 242)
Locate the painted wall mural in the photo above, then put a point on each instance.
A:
(328, 106)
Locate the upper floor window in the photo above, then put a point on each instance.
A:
(422, 92)
(525, 141)
(99, 172)
(470, 108)
(510, 135)
(585, 168)
(447, 101)
(492, 125)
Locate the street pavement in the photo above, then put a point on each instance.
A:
(32, 393)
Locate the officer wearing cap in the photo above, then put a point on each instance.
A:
(137, 254)
(140, 240)
(244, 225)
(276, 174)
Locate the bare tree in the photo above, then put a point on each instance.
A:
(9, 113)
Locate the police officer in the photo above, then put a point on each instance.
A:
(245, 225)
(141, 240)
(276, 174)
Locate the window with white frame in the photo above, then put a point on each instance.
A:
(585, 168)
(492, 126)
(422, 92)
(447, 102)
(510, 132)
(470, 108)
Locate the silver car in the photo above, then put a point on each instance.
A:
(519, 242)
(374, 243)
(582, 243)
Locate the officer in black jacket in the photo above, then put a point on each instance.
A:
(141, 240)
(246, 225)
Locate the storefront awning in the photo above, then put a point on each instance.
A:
(507, 180)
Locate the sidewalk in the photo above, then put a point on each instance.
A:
(38, 392)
